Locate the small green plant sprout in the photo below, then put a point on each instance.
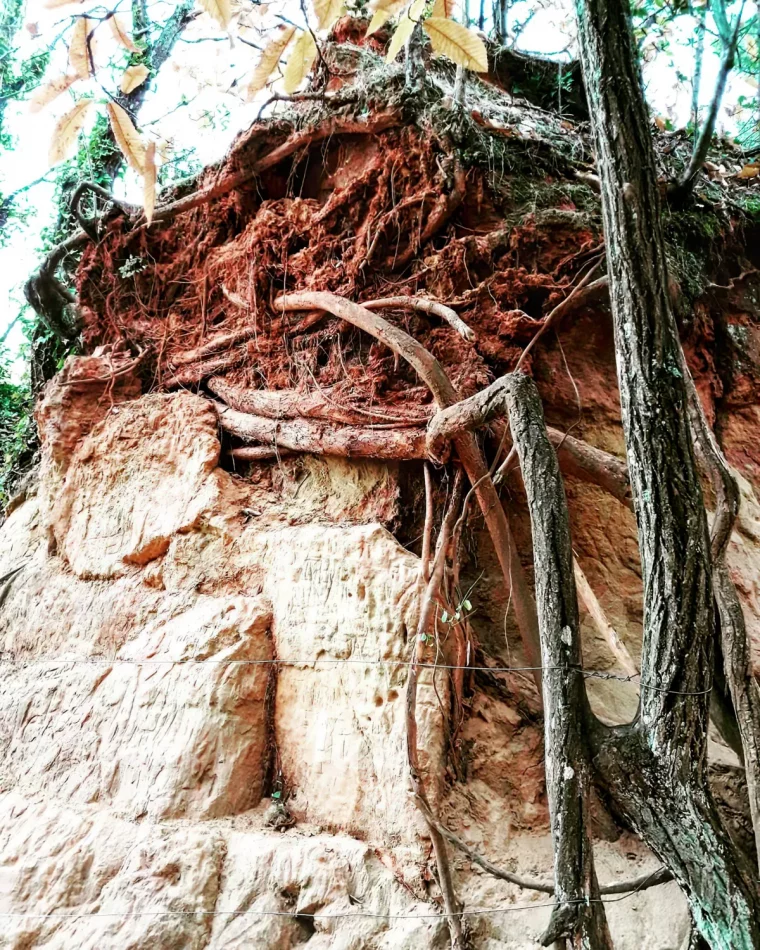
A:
(132, 266)
(463, 608)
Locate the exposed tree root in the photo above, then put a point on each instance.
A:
(301, 435)
(743, 685)
(568, 775)
(194, 374)
(317, 404)
(586, 287)
(424, 306)
(578, 458)
(222, 342)
(258, 453)
(444, 208)
(642, 883)
(54, 302)
(424, 626)
(433, 374)
(373, 124)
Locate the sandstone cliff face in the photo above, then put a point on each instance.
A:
(143, 737)
(204, 665)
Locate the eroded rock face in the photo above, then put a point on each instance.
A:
(144, 725)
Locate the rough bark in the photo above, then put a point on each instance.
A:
(655, 769)
(576, 457)
(317, 404)
(743, 687)
(301, 435)
(579, 914)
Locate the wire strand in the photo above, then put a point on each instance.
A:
(362, 661)
(476, 912)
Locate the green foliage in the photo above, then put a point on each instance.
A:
(17, 429)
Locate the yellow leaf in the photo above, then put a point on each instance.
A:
(749, 171)
(328, 11)
(269, 60)
(127, 137)
(220, 10)
(66, 131)
(45, 94)
(443, 8)
(121, 35)
(456, 42)
(133, 77)
(79, 54)
(404, 29)
(384, 10)
(149, 181)
(300, 62)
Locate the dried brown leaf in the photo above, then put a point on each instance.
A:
(45, 94)
(133, 77)
(127, 137)
(270, 57)
(457, 43)
(328, 11)
(220, 10)
(149, 182)
(300, 62)
(66, 131)
(79, 54)
(121, 34)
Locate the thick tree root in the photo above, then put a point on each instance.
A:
(424, 306)
(317, 404)
(301, 435)
(578, 458)
(743, 685)
(579, 914)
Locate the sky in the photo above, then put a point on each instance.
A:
(209, 70)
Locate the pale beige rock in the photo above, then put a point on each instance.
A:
(73, 402)
(120, 506)
(129, 788)
(90, 872)
(174, 737)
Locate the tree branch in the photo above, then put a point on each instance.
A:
(681, 191)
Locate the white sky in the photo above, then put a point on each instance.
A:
(204, 72)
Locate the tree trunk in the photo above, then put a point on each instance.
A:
(579, 914)
(655, 769)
